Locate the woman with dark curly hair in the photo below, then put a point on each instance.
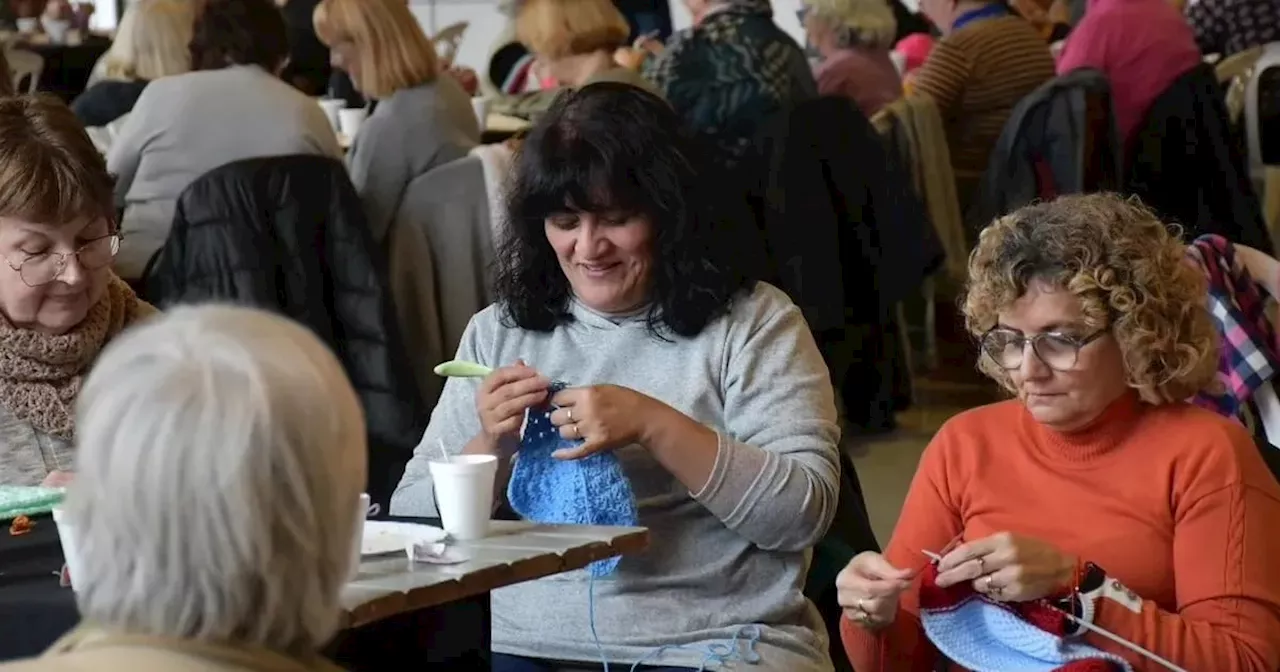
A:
(233, 106)
(1099, 491)
(707, 387)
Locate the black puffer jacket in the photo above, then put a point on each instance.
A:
(288, 234)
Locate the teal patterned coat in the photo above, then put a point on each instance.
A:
(732, 73)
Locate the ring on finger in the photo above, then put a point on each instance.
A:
(861, 605)
(986, 586)
(982, 566)
(576, 434)
(569, 414)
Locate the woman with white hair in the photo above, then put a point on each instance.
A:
(221, 461)
(854, 38)
(150, 43)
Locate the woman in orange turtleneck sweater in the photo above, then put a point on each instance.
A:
(1097, 487)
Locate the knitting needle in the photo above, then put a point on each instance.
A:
(931, 555)
(1119, 640)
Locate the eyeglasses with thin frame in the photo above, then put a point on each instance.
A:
(41, 269)
(1059, 351)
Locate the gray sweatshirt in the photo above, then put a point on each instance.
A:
(186, 125)
(408, 134)
(732, 554)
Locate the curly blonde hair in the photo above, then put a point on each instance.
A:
(1129, 272)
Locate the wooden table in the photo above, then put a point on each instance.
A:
(439, 614)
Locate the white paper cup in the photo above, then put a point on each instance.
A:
(480, 106)
(350, 119)
(67, 535)
(362, 512)
(464, 494)
(331, 106)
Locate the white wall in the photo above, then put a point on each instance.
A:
(487, 23)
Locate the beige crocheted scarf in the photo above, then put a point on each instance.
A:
(40, 374)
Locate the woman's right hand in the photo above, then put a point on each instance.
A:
(503, 397)
(868, 589)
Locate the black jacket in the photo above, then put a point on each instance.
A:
(842, 228)
(1060, 139)
(1185, 165)
(288, 234)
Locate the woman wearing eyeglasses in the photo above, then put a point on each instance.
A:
(60, 302)
(1097, 489)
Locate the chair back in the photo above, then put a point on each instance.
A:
(25, 65)
(448, 41)
(1262, 114)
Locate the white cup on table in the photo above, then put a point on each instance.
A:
(331, 106)
(464, 493)
(364, 509)
(349, 121)
(480, 105)
(70, 551)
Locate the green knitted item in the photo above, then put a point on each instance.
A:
(21, 500)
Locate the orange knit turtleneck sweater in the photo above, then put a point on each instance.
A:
(1173, 502)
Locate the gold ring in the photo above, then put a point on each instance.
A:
(576, 434)
(987, 588)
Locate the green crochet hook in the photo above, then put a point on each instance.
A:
(462, 369)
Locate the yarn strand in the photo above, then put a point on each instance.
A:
(715, 654)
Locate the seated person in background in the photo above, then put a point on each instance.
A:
(717, 404)
(572, 42)
(150, 43)
(730, 74)
(422, 119)
(987, 60)
(1228, 27)
(241, 447)
(1099, 488)
(1141, 64)
(232, 107)
(1051, 17)
(60, 304)
(854, 38)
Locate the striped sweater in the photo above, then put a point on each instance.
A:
(976, 75)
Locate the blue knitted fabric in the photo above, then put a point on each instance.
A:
(589, 491)
(985, 637)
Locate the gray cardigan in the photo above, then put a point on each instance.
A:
(186, 125)
(27, 454)
(408, 134)
(733, 554)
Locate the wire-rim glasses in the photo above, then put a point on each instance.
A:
(41, 269)
(1007, 348)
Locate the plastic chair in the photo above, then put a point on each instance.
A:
(1262, 104)
(449, 39)
(26, 65)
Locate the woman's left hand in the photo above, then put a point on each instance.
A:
(603, 416)
(58, 479)
(1008, 567)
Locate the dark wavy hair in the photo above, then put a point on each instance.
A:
(238, 32)
(612, 147)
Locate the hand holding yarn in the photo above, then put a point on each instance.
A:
(503, 397)
(868, 589)
(1009, 567)
(603, 416)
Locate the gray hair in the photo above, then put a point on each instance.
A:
(868, 23)
(221, 457)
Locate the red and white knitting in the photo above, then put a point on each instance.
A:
(986, 635)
